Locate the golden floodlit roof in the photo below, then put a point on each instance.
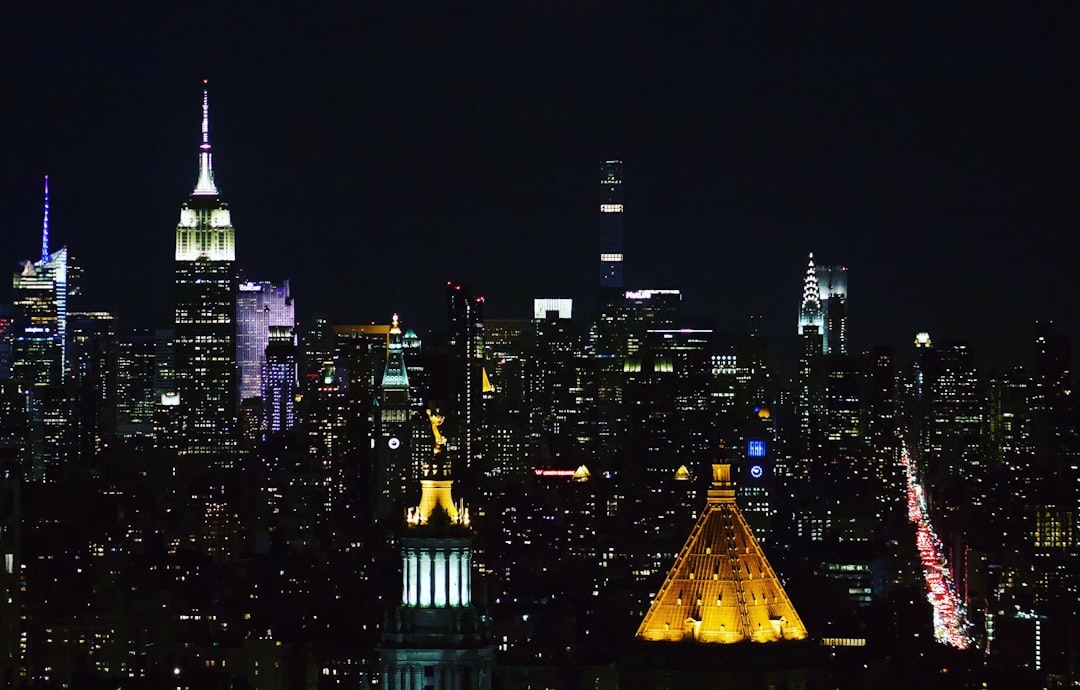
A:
(721, 588)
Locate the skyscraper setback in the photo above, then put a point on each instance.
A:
(260, 306)
(206, 313)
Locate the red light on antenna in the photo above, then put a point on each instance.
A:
(205, 80)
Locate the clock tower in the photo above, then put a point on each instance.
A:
(393, 469)
(436, 638)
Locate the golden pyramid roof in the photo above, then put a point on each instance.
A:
(721, 588)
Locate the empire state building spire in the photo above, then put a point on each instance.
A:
(205, 184)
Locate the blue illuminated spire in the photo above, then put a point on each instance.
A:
(45, 226)
(205, 184)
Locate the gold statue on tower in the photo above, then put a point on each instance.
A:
(436, 482)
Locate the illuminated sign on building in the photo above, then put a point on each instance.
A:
(648, 294)
(554, 473)
(755, 449)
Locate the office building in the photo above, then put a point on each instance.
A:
(205, 344)
(280, 380)
(436, 636)
(721, 589)
(260, 306)
(394, 474)
(832, 280)
(39, 328)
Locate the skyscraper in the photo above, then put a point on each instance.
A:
(466, 352)
(393, 471)
(260, 306)
(40, 289)
(206, 313)
(611, 225)
(824, 306)
(280, 383)
(811, 314)
(832, 281)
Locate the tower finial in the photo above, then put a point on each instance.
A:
(205, 184)
(45, 226)
(811, 288)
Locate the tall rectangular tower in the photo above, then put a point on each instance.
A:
(832, 281)
(260, 306)
(206, 316)
(466, 354)
(280, 380)
(611, 224)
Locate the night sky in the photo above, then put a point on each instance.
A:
(370, 152)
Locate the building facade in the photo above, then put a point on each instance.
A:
(205, 316)
(260, 306)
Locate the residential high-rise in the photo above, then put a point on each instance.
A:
(206, 315)
(260, 306)
(611, 225)
(466, 353)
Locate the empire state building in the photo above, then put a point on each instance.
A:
(205, 316)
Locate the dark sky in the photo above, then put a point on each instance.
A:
(372, 151)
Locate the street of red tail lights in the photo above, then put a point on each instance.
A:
(951, 626)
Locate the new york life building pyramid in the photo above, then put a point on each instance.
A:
(721, 588)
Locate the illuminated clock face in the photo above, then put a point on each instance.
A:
(756, 471)
(394, 442)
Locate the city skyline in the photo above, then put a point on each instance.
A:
(921, 180)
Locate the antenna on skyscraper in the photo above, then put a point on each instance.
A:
(45, 226)
(205, 117)
(205, 184)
